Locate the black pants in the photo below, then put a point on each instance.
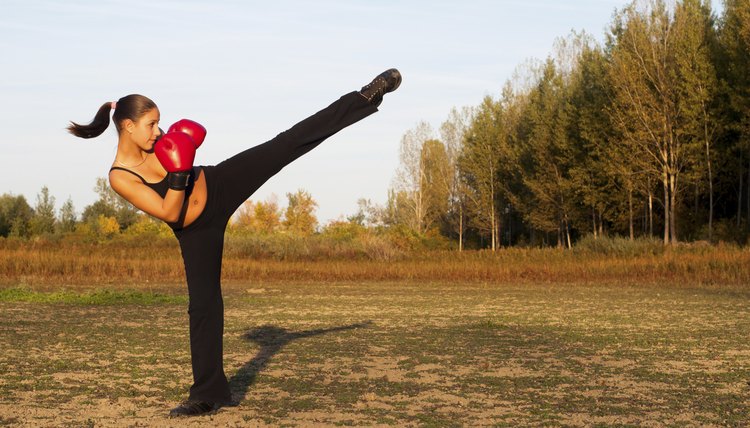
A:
(229, 184)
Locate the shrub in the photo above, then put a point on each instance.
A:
(343, 231)
(146, 227)
(619, 246)
(725, 230)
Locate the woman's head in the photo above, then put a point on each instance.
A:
(130, 111)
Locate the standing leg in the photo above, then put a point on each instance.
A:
(202, 249)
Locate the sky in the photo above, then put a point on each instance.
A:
(248, 70)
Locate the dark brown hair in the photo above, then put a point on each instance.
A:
(131, 107)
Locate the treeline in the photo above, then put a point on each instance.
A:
(108, 217)
(111, 215)
(647, 135)
(259, 229)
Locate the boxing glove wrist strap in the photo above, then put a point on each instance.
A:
(178, 180)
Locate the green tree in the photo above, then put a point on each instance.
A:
(43, 220)
(99, 208)
(436, 182)
(479, 162)
(513, 153)
(697, 82)
(734, 93)
(549, 157)
(592, 130)
(110, 204)
(15, 216)
(655, 88)
(68, 218)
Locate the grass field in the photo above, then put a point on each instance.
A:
(390, 353)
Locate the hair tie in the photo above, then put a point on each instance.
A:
(113, 104)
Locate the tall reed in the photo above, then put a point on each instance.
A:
(159, 262)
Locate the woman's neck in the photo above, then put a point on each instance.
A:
(130, 155)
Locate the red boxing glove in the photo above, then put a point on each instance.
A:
(195, 130)
(176, 153)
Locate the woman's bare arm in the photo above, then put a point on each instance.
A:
(147, 200)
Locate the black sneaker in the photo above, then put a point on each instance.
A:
(194, 408)
(387, 81)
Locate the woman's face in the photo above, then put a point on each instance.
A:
(145, 130)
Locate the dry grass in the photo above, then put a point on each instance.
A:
(40, 264)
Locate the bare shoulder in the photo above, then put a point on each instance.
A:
(121, 180)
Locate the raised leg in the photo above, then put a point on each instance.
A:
(241, 175)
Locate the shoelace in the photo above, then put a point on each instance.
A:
(377, 86)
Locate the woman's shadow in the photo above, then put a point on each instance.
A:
(271, 339)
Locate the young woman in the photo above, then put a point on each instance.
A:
(154, 172)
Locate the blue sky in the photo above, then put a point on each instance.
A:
(248, 70)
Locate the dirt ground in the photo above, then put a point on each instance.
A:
(396, 354)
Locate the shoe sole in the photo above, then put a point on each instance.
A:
(398, 80)
(209, 413)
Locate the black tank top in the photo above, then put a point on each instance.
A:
(161, 187)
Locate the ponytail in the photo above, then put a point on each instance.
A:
(131, 107)
(96, 127)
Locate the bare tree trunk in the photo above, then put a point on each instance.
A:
(672, 208)
(499, 223)
(460, 227)
(650, 213)
(418, 209)
(510, 227)
(601, 224)
(493, 224)
(498, 231)
(665, 183)
(630, 213)
(739, 195)
(593, 219)
(493, 212)
(696, 196)
(710, 192)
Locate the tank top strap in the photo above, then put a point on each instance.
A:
(134, 173)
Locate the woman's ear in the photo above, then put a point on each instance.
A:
(128, 125)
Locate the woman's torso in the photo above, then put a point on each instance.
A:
(154, 175)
